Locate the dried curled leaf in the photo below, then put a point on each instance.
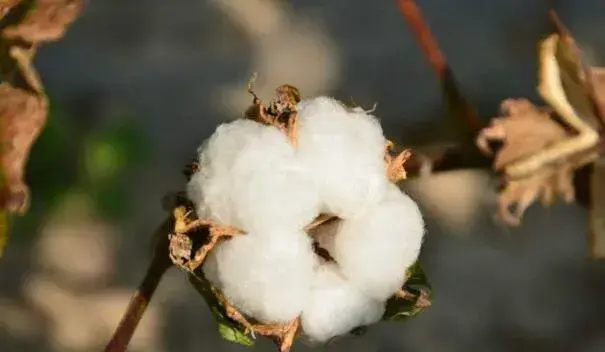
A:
(598, 83)
(23, 115)
(539, 155)
(46, 21)
(524, 129)
(583, 85)
(6, 6)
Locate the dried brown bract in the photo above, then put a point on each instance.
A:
(46, 21)
(181, 243)
(23, 116)
(185, 256)
(395, 164)
(280, 112)
(6, 5)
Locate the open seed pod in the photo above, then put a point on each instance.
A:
(300, 229)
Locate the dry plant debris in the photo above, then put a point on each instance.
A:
(23, 115)
(296, 226)
(540, 151)
(24, 25)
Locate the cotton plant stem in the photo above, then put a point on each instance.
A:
(142, 296)
(458, 104)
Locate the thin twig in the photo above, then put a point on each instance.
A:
(142, 296)
(413, 16)
(459, 104)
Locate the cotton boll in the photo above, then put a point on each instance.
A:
(249, 178)
(344, 150)
(335, 307)
(374, 249)
(266, 277)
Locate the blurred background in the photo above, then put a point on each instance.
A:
(137, 85)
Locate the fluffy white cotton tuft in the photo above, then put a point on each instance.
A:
(267, 277)
(253, 178)
(250, 179)
(336, 307)
(374, 249)
(344, 150)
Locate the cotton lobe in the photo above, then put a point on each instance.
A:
(268, 277)
(250, 179)
(336, 307)
(344, 149)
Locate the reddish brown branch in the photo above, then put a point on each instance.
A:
(413, 16)
(458, 105)
(142, 296)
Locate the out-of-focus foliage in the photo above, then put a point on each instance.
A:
(108, 156)
(67, 158)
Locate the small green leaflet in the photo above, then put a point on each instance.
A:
(229, 329)
(400, 309)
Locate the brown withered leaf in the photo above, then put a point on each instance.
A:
(23, 115)
(46, 21)
(598, 83)
(581, 84)
(547, 183)
(6, 5)
(551, 88)
(524, 129)
(585, 89)
(539, 156)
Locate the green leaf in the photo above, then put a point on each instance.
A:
(229, 329)
(229, 333)
(398, 309)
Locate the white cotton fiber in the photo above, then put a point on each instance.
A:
(374, 249)
(267, 277)
(253, 178)
(250, 179)
(344, 150)
(336, 307)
